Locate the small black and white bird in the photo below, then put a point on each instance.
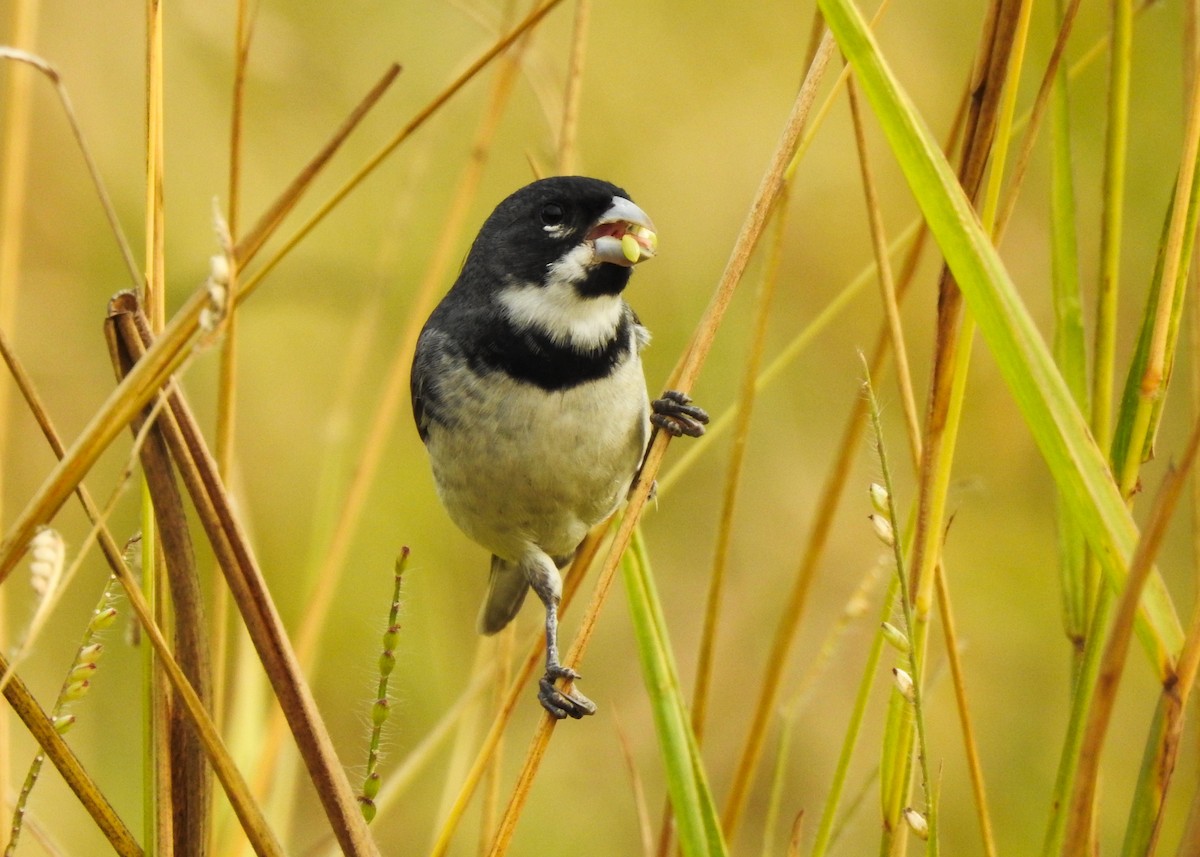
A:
(528, 392)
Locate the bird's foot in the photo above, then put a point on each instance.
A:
(675, 413)
(560, 705)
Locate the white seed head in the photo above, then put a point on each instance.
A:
(883, 529)
(917, 822)
(218, 269)
(879, 498)
(904, 684)
(47, 556)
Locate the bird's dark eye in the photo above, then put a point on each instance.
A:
(553, 214)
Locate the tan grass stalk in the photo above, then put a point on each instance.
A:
(568, 154)
(887, 284)
(970, 744)
(1040, 103)
(110, 212)
(765, 199)
(636, 789)
(227, 370)
(571, 584)
(42, 729)
(15, 115)
(155, 256)
(747, 395)
(1079, 817)
(489, 811)
(249, 244)
(822, 525)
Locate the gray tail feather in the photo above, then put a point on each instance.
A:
(506, 593)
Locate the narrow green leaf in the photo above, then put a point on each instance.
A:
(1070, 344)
(695, 813)
(1075, 461)
(1123, 437)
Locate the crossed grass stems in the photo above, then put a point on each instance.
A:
(988, 127)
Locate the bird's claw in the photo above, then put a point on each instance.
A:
(675, 413)
(558, 704)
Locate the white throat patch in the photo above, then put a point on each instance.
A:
(564, 315)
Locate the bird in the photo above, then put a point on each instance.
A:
(528, 393)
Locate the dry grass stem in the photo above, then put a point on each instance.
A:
(887, 284)
(227, 773)
(1040, 103)
(502, 44)
(568, 154)
(1079, 818)
(249, 244)
(244, 577)
(571, 584)
(98, 185)
(42, 730)
(819, 533)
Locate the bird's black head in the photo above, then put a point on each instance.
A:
(564, 230)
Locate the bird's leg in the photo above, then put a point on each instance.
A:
(676, 414)
(547, 585)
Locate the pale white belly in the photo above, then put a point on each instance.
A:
(524, 466)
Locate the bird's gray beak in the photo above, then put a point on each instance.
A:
(624, 235)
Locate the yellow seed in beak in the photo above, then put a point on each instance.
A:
(649, 236)
(630, 247)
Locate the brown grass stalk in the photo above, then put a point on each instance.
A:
(227, 774)
(188, 779)
(987, 87)
(263, 624)
(1116, 649)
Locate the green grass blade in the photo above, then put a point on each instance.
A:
(1125, 438)
(1070, 344)
(1075, 461)
(696, 816)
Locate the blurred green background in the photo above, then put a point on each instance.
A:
(682, 104)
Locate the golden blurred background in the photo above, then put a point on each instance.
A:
(682, 104)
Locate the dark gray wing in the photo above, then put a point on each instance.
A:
(429, 356)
